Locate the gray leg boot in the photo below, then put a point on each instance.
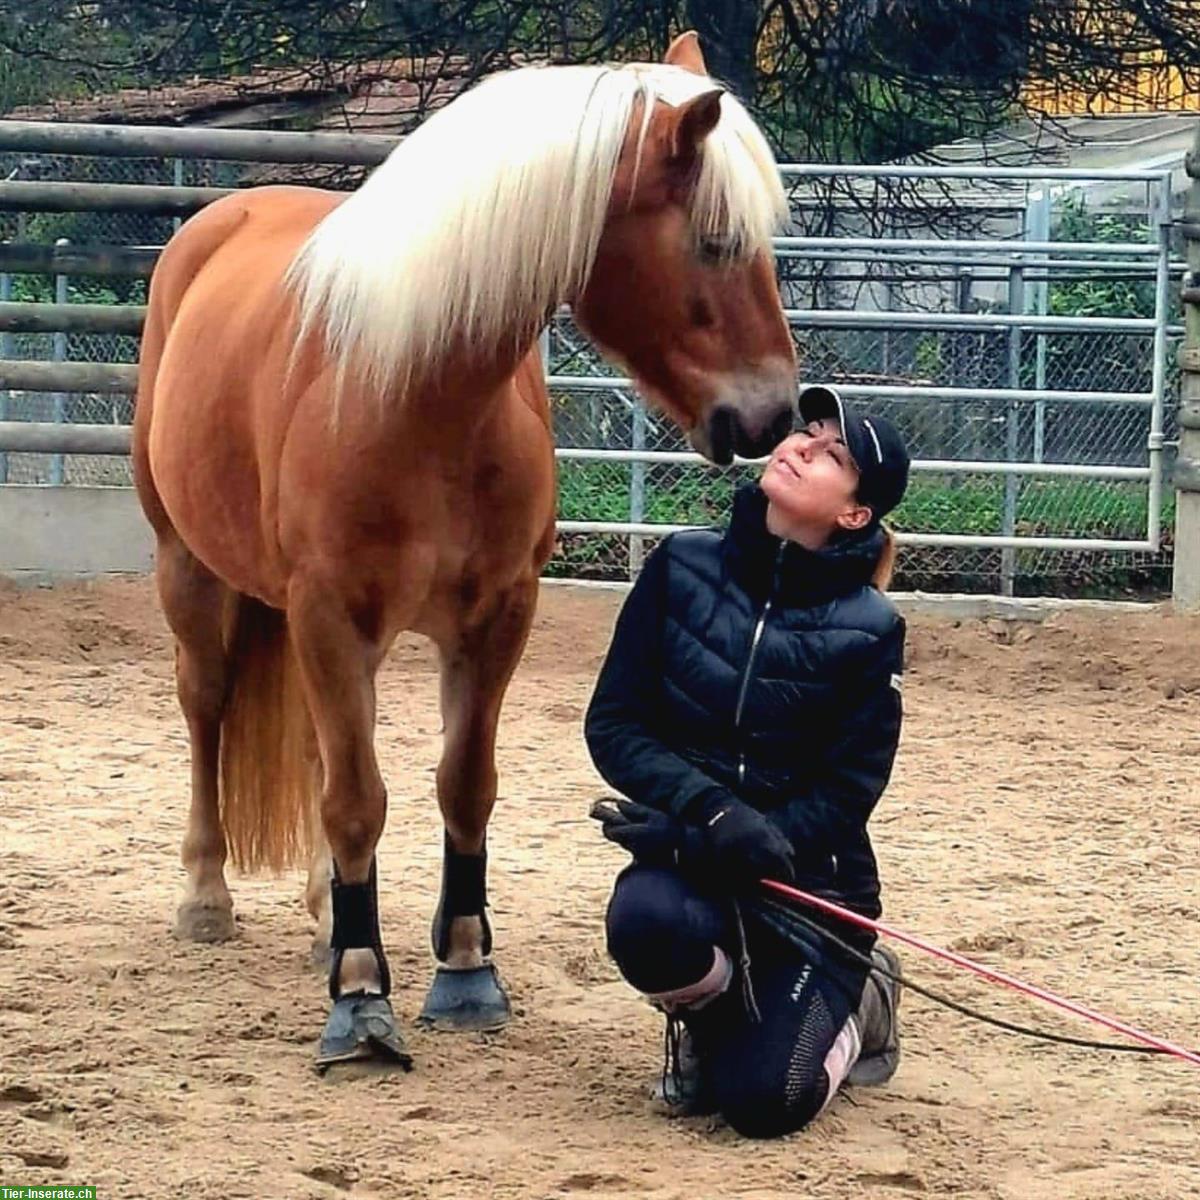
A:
(877, 1020)
(682, 1089)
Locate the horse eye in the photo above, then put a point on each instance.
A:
(716, 249)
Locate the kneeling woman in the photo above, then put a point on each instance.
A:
(749, 711)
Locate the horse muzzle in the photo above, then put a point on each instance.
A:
(748, 421)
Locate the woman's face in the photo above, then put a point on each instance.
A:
(811, 484)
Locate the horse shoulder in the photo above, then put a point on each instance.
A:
(294, 210)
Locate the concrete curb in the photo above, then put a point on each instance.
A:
(961, 606)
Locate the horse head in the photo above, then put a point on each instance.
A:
(682, 289)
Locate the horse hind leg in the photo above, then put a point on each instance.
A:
(466, 993)
(195, 602)
(317, 894)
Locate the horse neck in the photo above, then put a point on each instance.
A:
(440, 408)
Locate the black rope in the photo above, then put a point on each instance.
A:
(784, 919)
(672, 1071)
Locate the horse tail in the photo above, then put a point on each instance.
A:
(881, 577)
(270, 770)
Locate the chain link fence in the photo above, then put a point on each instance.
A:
(957, 503)
(884, 355)
(84, 228)
(875, 360)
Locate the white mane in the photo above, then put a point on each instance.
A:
(490, 213)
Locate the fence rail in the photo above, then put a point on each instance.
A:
(230, 145)
(18, 258)
(105, 197)
(20, 376)
(23, 317)
(966, 541)
(1015, 246)
(48, 437)
(1050, 424)
(122, 377)
(965, 171)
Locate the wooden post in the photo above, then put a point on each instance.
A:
(637, 491)
(57, 461)
(6, 344)
(1012, 425)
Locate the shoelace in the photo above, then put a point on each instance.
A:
(748, 997)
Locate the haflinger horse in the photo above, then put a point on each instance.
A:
(343, 432)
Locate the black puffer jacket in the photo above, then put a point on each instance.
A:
(746, 665)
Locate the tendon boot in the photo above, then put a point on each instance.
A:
(877, 1021)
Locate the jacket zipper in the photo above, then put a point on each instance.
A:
(754, 641)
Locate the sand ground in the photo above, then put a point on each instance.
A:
(1044, 817)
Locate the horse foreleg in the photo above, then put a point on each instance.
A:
(476, 667)
(338, 665)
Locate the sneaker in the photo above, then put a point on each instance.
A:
(681, 1090)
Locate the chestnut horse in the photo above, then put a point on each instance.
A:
(343, 432)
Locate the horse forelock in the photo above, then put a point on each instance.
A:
(490, 213)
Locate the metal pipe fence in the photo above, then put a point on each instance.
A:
(1040, 431)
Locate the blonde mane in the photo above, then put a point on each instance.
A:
(490, 213)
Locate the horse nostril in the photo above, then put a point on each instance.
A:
(723, 432)
(748, 430)
(752, 442)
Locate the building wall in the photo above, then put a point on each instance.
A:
(1153, 85)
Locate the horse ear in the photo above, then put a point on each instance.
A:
(695, 120)
(685, 52)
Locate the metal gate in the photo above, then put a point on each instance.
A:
(1035, 429)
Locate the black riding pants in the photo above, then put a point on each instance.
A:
(766, 1072)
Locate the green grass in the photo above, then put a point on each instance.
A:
(934, 504)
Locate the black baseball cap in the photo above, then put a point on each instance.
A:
(874, 443)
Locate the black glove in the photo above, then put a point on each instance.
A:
(741, 842)
(651, 836)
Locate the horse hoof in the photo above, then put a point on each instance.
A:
(361, 1026)
(197, 922)
(471, 1000)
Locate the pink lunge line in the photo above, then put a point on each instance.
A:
(958, 960)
